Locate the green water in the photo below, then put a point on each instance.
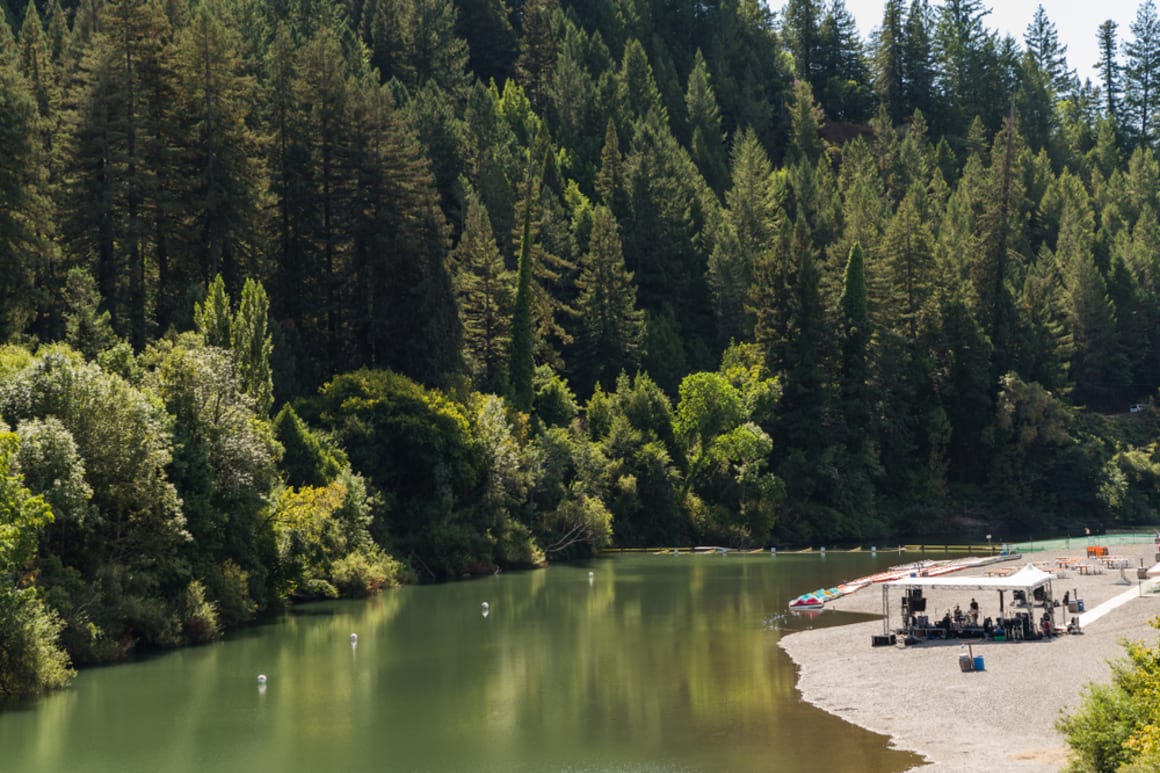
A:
(654, 663)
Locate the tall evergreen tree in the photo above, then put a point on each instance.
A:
(889, 65)
(122, 167)
(750, 224)
(854, 321)
(222, 182)
(1050, 56)
(537, 57)
(491, 40)
(919, 70)
(521, 359)
(18, 191)
(1142, 73)
(611, 327)
(908, 259)
(485, 290)
(706, 140)
(1109, 69)
(845, 89)
(1099, 368)
(802, 31)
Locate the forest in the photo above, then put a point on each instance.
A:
(306, 298)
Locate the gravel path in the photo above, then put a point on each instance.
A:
(1000, 718)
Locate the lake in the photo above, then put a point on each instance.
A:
(654, 663)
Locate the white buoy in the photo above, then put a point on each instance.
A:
(592, 574)
(484, 606)
(773, 551)
(354, 638)
(261, 679)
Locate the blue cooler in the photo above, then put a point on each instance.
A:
(978, 662)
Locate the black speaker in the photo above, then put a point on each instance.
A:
(918, 605)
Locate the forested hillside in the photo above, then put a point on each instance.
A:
(306, 297)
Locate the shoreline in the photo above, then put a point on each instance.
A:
(1003, 716)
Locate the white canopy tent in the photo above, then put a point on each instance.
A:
(1028, 579)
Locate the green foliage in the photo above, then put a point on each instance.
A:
(18, 190)
(554, 404)
(416, 450)
(200, 621)
(31, 659)
(611, 327)
(312, 530)
(1117, 726)
(225, 455)
(86, 329)
(213, 317)
(306, 459)
(252, 346)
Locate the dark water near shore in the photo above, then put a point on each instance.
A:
(656, 663)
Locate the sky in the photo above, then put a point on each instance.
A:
(1076, 21)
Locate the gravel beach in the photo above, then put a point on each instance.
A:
(1000, 718)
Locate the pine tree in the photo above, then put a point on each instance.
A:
(1099, 368)
(706, 140)
(537, 56)
(801, 28)
(1142, 73)
(919, 70)
(889, 64)
(805, 396)
(1050, 56)
(415, 41)
(845, 78)
(86, 328)
(610, 178)
(222, 183)
(1002, 234)
(611, 327)
(637, 94)
(1109, 70)
(18, 192)
(43, 255)
(806, 118)
(521, 359)
(492, 42)
(485, 290)
(854, 320)
(751, 217)
(121, 166)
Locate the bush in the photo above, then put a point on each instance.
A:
(200, 621)
(31, 659)
(363, 572)
(229, 584)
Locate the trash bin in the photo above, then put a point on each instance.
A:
(1072, 607)
(978, 663)
(966, 663)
